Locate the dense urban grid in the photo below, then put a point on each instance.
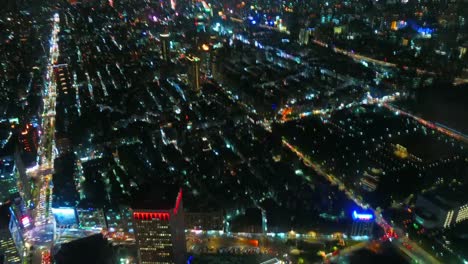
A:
(228, 131)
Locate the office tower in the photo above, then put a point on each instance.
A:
(8, 185)
(304, 36)
(205, 54)
(442, 207)
(26, 158)
(160, 233)
(208, 56)
(213, 61)
(165, 46)
(204, 221)
(28, 144)
(363, 225)
(194, 72)
(8, 230)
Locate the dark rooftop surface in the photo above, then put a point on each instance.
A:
(448, 196)
(387, 255)
(157, 197)
(92, 249)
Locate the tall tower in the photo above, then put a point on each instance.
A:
(208, 55)
(165, 46)
(160, 234)
(194, 72)
(205, 56)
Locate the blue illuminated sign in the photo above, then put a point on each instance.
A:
(425, 31)
(362, 216)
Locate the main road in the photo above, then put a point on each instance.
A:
(41, 235)
(442, 129)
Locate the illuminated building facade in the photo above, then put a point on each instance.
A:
(205, 58)
(7, 247)
(213, 62)
(194, 72)
(25, 158)
(209, 56)
(363, 225)
(28, 144)
(165, 46)
(8, 232)
(16, 228)
(8, 185)
(160, 234)
(304, 36)
(119, 224)
(441, 209)
(91, 218)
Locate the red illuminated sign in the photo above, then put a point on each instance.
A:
(150, 216)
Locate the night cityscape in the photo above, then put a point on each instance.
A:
(229, 131)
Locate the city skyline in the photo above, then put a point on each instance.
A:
(225, 131)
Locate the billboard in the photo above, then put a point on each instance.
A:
(65, 216)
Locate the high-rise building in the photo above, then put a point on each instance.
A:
(26, 158)
(194, 72)
(165, 46)
(160, 234)
(8, 185)
(205, 56)
(205, 221)
(209, 54)
(119, 224)
(91, 219)
(443, 207)
(8, 229)
(363, 225)
(304, 36)
(28, 145)
(213, 62)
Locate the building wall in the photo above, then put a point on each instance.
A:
(204, 221)
(160, 236)
(154, 238)
(8, 248)
(445, 217)
(178, 235)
